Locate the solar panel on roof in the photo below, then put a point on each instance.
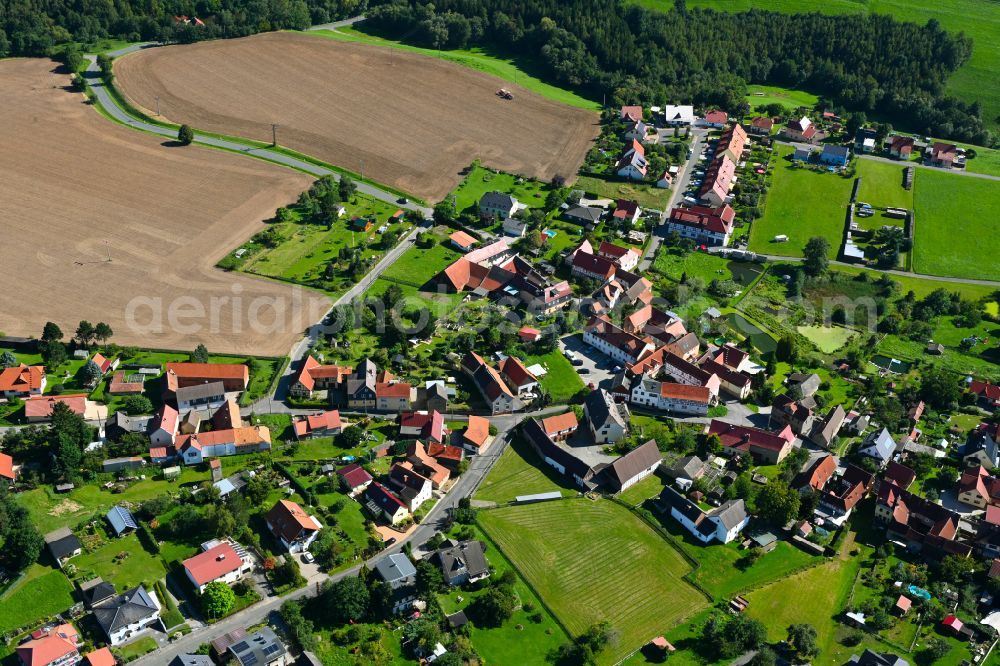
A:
(249, 660)
(270, 649)
(240, 647)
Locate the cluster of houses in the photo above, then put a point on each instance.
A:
(432, 455)
(721, 173)
(506, 388)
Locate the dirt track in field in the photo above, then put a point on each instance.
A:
(415, 121)
(74, 186)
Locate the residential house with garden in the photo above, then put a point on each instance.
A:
(292, 526)
(461, 562)
(704, 225)
(124, 615)
(220, 561)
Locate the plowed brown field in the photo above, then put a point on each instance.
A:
(75, 186)
(410, 121)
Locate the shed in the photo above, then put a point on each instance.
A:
(903, 605)
(170, 473)
(121, 519)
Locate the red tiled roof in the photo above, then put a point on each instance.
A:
(120, 384)
(716, 116)
(477, 431)
(762, 123)
(514, 370)
(462, 239)
(593, 264)
(288, 520)
(633, 113)
(717, 220)
(354, 475)
(22, 378)
(559, 422)
(44, 651)
(209, 370)
(444, 452)
(6, 466)
(396, 390)
(244, 436)
(685, 392)
(985, 389)
(40, 406)
(102, 657)
(329, 420)
(213, 563)
(734, 436)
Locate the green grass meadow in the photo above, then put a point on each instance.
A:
(593, 560)
(520, 472)
(882, 185)
(40, 593)
(763, 95)
(957, 230)
(801, 204)
(561, 381)
(481, 180)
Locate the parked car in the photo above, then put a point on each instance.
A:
(402, 200)
(308, 558)
(390, 541)
(584, 371)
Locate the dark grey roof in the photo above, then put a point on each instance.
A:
(871, 658)
(546, 448)
(395, 567)
(497, 200)
(192, 660)
(601, 408)
(131, 607)
(840, 151)
(730, 514)
(121, 519)
(671, 499)
(200, 391)
(62, 542)
(585, 213)
(623, 469)
(364, 377)
(467, 555)
(688, 467)
(457, 620)
(259, 648)
(99, 592)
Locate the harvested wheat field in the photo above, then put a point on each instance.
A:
(415, 122)
(75, 187)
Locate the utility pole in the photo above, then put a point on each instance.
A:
(157, 106)
(274, 134)
(362, 169)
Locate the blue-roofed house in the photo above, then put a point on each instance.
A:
(835, 155)
(880, 446)
(122, 521)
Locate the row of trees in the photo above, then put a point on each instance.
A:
(630, 54)
(53, 349)
(38, 27)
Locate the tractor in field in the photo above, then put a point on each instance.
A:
(503, 93)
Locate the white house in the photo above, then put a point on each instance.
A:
(292, 526)
(514, 227)
(497, 205)
(708, 226)
(124, 615)
(413, 489)
(671, 397)
(678, 115)
(163, 429)
(200, 446)
(609, 420)
(721, 524)
(224, 561)
(616, 342)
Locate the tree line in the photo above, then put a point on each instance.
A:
(38, 27)
(626, 54)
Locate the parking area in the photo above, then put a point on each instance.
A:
(593, 366)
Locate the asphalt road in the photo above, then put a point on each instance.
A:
(918, 276)
(465, 486)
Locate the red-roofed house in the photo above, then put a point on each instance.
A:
(708, 226)
(719, 179)
(102, 657)
(124, 384)
(477, 438)
(953, 623)
(292, 526)
(977, 488)
(517, 376)
(671, 397)
(323, 424)
(768, 447)
(716, 118)
(901, 147)
(56, 648)
(529, 334)
(626, 210)
(987, 395)
(816, 475)
(761, 126)
(234, 376)
(38, 408)
(104, 364)
(6, 467)
(632, 164)
(560, 426)
(446, 454)
(394, 396)
(315, 377)
(427, 426)
(627, 258)
(633, 113)
(462, 241)
(419, 460)
(800, 130)
(22, 381)
(490, 384)
(220, 562)
(944, 155)
(615, 342)
(198, 447)
(354, 478)
(592, 266)
(163, 428)
(899, 474)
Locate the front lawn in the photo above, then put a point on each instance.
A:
(417, 266)
(801, 203)
(593, 560)
(481, 180)
(882, 185)
(561, 379)
(648, 196)
(827, 339)
(520, 472)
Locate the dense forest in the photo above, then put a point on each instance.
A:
(36, 27)
(628, 54)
